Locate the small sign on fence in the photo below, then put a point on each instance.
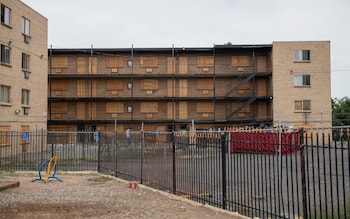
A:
(25, 136)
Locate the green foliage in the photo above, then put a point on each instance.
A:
(341, 111)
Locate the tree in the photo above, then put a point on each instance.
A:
(341, 111)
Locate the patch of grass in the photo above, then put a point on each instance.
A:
(8, 174)
(99, 179)
(344, 213)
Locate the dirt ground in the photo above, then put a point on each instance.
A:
(92, 195)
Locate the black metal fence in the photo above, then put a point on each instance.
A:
(258, 173)
(26, 150)
(266, 174)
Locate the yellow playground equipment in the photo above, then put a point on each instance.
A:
(48, 168)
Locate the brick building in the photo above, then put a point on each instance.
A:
(167, 88)
(23, 67)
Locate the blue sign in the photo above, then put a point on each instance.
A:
(25, 136)
(96, 136)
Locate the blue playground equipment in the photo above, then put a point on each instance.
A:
(50, 172)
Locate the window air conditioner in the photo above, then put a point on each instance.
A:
(25, 111)
(26, 39)
(26, 74)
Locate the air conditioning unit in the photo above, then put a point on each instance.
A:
(26, 74)
(25, 111)
(26, 39)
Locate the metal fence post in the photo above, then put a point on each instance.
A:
(174, 160)
(223, 173)
(142, 147)
(54, 144)
(303, 175)
(115, 154)
(99, 151)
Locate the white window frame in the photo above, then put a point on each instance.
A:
(25, 61)
(5, 15)
(302, 80)
(25, 97)
(25, 26)
(302, 55)
(5, 54)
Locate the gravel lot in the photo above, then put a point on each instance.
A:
(92, 195)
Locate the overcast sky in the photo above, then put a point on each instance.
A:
(201, 23)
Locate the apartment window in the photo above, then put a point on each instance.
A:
(25, 61)
(129, 109)
(129, 85)
(129, 63)
(5, 54)
(25, 97)
(302, 55)
(302, 80)
(5, 15)
(25, 65)
(5, 94)
(302, 105)
(26, 29)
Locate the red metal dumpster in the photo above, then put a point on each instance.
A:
(265, 142)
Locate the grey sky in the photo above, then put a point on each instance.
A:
(201, 23)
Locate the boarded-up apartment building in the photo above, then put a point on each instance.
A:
(169, 88)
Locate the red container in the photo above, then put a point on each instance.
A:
(265, 142)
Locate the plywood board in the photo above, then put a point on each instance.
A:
(59, 85)
(59, 107)
(94, 110)
(183, 110)
(149, 62)
(81, 92)
(170, 65)
(183, 89)
(262, 87)
(205, 84)
(93, 65)
(170, 110)
(205, 107)
(81, 110)
(262, 110)
(115, 62)
(81, 65)
(182, 65)
(149, 84)
(149, 107)
(59, 62)
(114, 107)
(261, 62)
(4, 135)
(114, 84)
(244, 61)
(241, 61)
(205, 61)
(170, 88)
(94, 88)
